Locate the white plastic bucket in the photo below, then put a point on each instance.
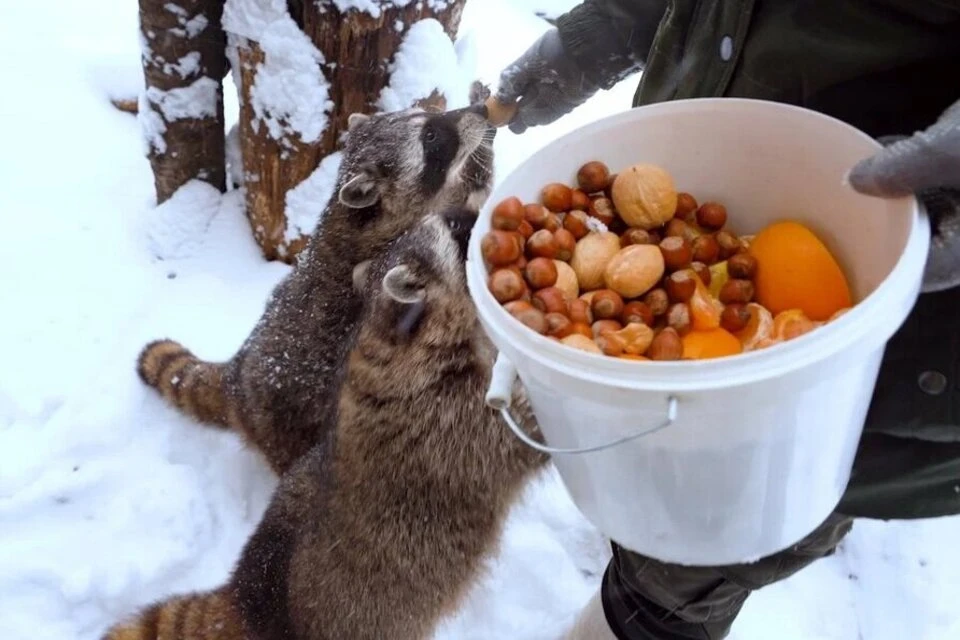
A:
(758, 447)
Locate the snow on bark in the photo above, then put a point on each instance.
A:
(181, 106)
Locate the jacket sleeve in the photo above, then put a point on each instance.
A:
(610, 39)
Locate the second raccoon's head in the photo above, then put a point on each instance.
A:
(418, 289)
(399, 166)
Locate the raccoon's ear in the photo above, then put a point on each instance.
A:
(402, 284)
(361, 190)
(356, 119)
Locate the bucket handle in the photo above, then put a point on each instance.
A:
(500, 393)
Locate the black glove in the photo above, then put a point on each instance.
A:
(545, 82)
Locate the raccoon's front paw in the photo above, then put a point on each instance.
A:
(479, 92)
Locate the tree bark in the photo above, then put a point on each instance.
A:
(357, 50)
(181, 110)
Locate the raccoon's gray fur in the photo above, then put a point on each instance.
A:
(282, 383)
(379, 531)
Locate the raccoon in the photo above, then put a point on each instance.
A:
(380, 530)
(280, 385)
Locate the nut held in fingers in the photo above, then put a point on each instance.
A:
(498, 113)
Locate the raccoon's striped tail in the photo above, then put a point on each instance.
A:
(192, 385)
(206, 616)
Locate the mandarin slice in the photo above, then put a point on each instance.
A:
(705, 310)
(759, 327)
(791, 324)
(712, 343)
(795, 270)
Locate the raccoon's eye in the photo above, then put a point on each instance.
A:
(430, 136)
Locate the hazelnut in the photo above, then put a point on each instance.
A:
(500, 248)
(558, 325)
(580, 200)
(633, 235)
(580, 312)
(583, 329)
(566, 280)
(678, 227)
(666, 345)
(602, 210)
(525, 229)
(584, 343)
(506, 285)
(606, 304)
(742, 265)
(542, 244)
(636, 338)
(531, 317)
(712, 215)
(658, 301)
(680, 285)
(637, 311)
(565, 244)
(600, 326)
(736, 290)
(729, 244)
(514, 306)
(552, 223)
(541, 273)
(593, 177)
(677, 253)
(678, 317)
(550, 300)
(645, 196)
(588, 296)
(536, 215)
(610, 343)
(734, 317)
(634, 270)
(705, 249)
(557, 197)
(702, 271)
(591, 255)
(576, 223)
(507, 215)
(686, 205)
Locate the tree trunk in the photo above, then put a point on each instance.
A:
(357, 49)
(181, 109)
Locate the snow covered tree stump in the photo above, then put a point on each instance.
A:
(301, 71)
(181, 109)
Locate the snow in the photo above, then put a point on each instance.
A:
(307, 201)
(424, 62)
(194, 101)
(290, 94)
(375, 7)
(109, 499)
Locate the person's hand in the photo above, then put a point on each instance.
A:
(544, 82)
(926, 164)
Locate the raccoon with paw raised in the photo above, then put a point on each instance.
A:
(277, 389)
(381, 529)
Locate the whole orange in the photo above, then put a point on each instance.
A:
(795, 270)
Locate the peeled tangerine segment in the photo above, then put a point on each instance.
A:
(791, 324)
(712, 343)
(759, 329)
(705, 310)
(795, 270)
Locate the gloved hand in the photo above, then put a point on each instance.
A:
(926, 164)
(547, 83)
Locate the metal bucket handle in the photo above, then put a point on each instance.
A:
(500, 393)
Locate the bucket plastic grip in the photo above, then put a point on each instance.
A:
(499, 395)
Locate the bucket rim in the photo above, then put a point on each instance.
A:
(898, 287)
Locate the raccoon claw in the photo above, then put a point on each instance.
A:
(479, 92)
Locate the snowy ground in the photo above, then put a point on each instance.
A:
(109, 500)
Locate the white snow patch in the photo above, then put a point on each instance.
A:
(425, 61)
(545, 8)
(195, 101)
(176, 9)
(176, 228)
(186, 66)
(376, 7)
(306, 202)
(234, 156)
(192, 27)
(152, 126)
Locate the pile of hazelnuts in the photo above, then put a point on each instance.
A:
(575, 269)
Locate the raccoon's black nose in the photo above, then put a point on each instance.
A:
(460, 221)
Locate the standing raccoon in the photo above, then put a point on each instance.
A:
(379, 531)
(280, 385)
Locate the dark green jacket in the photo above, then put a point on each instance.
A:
(884, 66)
